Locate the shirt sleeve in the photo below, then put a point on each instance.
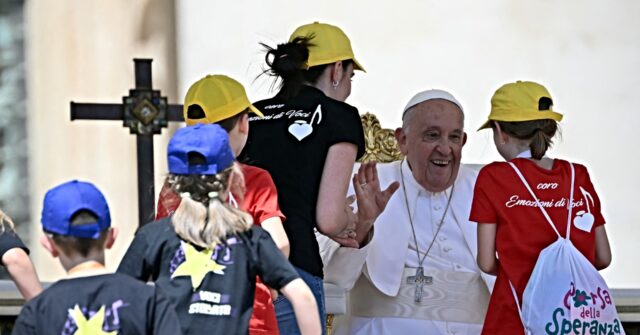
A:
(482, 208)
(134, 263)
(273, 268)
(25, 323)
(596, 209)
(165, 320)
(9, 240)
(261, 200)
(345, 126)
(168, 202)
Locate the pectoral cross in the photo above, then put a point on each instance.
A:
(419, 280)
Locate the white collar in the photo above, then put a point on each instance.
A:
(527, 154)
(413, 188)
(524, 154)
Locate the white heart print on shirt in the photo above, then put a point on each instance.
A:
(301, 129)
(584, 220)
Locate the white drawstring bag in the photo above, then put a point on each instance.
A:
(565, 293)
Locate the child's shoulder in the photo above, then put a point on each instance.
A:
(494, 168)
(157, 229)
(251, 236)
(96, 285)
(251, 233)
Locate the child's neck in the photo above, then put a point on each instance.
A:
(86, 269)
(544, 162)
(84, 266)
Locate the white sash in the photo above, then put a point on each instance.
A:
(453, 297)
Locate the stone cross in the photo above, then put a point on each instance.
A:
(145, 112)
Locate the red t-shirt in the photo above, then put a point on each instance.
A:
(522, 232)
(261, 202)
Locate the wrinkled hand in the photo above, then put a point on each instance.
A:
(371, 199)
(347, 238)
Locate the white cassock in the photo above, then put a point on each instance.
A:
(380, 301)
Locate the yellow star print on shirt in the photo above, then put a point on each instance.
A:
(197, 264)
(93, 326)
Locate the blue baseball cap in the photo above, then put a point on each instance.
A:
(65, 200)
(209, 140)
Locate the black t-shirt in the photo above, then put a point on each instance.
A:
(8, 241)
(118, 303)
(212, 290)
(291, 141)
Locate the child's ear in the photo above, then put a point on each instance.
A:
(112, 234)
(243, 124)
(47, 242)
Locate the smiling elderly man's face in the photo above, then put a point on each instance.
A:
(432, 138)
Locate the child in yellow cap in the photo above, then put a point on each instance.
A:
(515, 203)
(219, 99)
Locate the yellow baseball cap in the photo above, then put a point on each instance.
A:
(219, 96)
(330, 44)
(520, 101)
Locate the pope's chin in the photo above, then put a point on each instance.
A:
(440, 175)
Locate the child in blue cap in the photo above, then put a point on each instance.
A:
(77, 225)
(207, 254)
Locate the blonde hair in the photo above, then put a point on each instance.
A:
(5, 221)
(204, 217)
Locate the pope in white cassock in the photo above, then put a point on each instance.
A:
(415, 271)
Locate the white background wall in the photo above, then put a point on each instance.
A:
(587, 53)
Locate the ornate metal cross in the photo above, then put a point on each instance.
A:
(419, 280)
(145, 112)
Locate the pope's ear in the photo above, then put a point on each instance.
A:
(401, 137)
(464, 138)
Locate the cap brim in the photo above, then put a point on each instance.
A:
(255, 111)
(358, 66)
(485, 125)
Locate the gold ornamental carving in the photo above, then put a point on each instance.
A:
(380, 143)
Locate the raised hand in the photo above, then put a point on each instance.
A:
(371, 199)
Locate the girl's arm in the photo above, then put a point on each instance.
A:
(273, 226)
(304, 306)
(21, 270)
(331, 213)
(487, 260)
(603, 250)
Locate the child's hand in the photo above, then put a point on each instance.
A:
(274, 294)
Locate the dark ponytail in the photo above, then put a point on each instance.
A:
(540, 134)
(288, 61)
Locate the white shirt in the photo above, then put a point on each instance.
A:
(451, 251)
